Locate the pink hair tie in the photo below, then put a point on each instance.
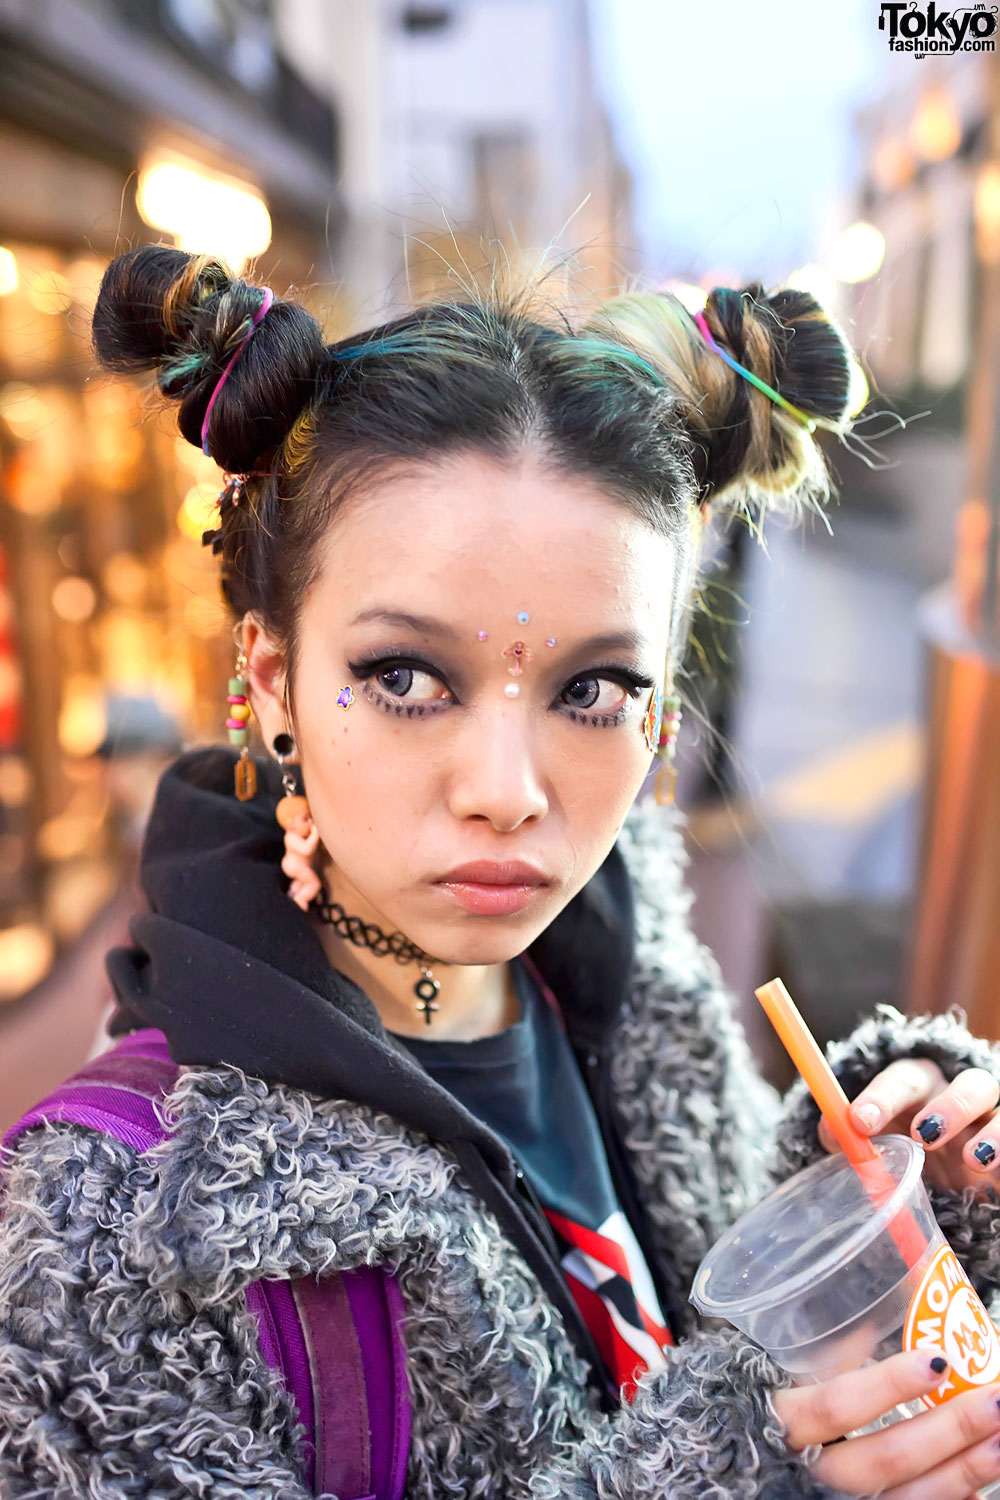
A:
(262, 309)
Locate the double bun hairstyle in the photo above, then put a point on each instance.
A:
(633, 398)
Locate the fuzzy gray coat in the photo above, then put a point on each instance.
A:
(128, 1357)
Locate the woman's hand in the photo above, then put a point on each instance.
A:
(957, 1123)
(954, 1450)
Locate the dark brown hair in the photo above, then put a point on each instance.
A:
(633, 399)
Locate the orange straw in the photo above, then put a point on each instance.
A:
(822, 1083)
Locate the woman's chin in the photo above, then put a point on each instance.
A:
(479, 939)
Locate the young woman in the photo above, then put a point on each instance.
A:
(448, 1017)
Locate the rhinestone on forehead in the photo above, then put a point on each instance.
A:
(481, 635)
(511, 689)
(518, 652)
(551, 641)
(523, 617)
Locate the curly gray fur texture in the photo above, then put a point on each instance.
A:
(128, 1359)
(697, 1117)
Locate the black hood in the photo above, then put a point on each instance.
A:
(230, 969)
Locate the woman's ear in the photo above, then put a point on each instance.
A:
(266, 679)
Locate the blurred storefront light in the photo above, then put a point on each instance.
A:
(15, 781)
(199, 510)
(987, 212)
(936, 130)
(892, 166)
(68, 835)
(204, 213)
(817, 281)
(23, 408)
(125, 578)
(26, 954)
(50, 293)
(84, 276)
(8, 272)
(858, 254)
(81, 718)
(74, 599)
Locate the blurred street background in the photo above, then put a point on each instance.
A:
(840, 750)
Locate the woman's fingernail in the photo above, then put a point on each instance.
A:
(984, 1153)
(930, 1128)
(868, 1114)
(939, 1365)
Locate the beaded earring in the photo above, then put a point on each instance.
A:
(666, 779)
(301, 833)
(238, 716)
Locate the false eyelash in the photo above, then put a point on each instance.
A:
(597, 721)
(401, 709)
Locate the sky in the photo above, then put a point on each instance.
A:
(735, 118)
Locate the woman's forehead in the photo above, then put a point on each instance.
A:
(514, 540)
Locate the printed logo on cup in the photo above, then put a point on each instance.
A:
(947, 1316)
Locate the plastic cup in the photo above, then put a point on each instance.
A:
(815, 1275)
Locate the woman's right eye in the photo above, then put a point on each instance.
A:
(412, 683)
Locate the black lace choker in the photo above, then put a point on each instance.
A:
(383, 944)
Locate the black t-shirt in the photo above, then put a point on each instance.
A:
(525, 1084)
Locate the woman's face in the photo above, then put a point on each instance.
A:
(440, 592)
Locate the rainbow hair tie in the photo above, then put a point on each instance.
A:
(268, 298)
(762, 385)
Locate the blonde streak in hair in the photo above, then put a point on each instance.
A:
(661, 332)
(181, 294)
(297, 448)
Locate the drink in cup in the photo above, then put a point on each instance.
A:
(836, 1268)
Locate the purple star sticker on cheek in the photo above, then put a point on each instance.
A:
(345, 697)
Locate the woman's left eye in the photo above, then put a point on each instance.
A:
(601, 695)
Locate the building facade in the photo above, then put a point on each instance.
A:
(111, 630)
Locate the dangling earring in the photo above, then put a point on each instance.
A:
(238, 715)
(666, 779)
(301, 833)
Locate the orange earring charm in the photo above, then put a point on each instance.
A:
(301, 834)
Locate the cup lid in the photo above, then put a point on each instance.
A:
(769, 1256)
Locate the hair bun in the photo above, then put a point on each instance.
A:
(788, 340)
(744, 446)
(185, 316)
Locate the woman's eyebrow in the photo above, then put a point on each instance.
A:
(618, 640)
(421, 623)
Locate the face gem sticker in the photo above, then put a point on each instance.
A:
(653, 716)
(519, 652)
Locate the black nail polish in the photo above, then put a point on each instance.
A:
(984, 1153)
(929, 1129)
(939, 1365)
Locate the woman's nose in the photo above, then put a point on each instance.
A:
(498, 775)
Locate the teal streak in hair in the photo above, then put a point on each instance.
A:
(620, 354)
(403, 344)
(183, 364)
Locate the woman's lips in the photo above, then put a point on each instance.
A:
(492, 887)
(489, 900)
